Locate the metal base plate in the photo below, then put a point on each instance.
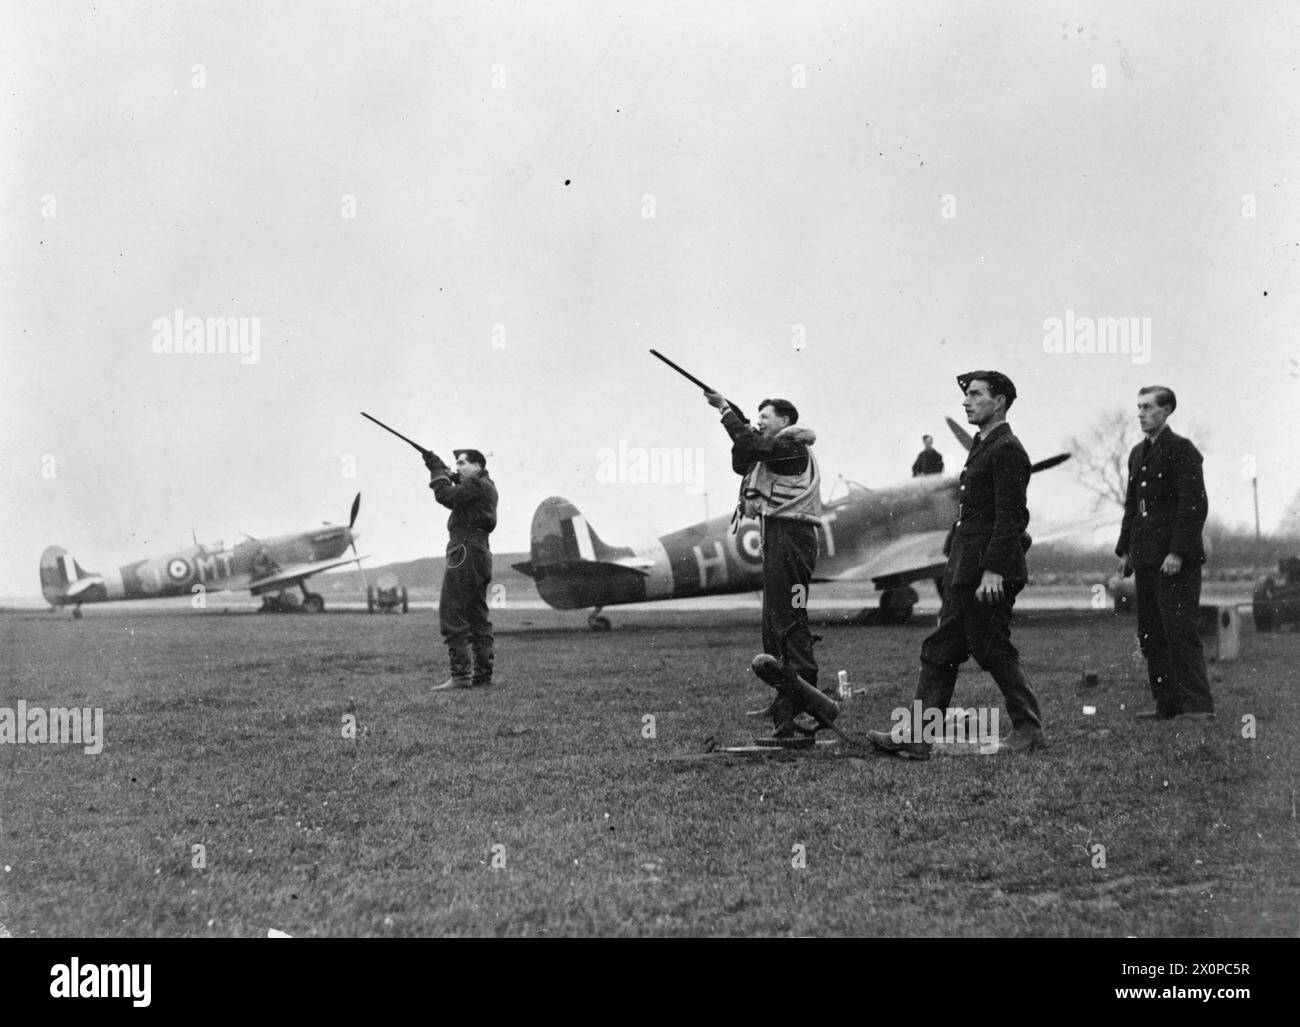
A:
(795, 742)
(761, 747)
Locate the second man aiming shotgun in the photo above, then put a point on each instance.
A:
(462, 607)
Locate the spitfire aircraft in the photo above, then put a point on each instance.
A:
(892, 537)
(266, 567)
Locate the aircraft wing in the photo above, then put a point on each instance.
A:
(1052, 531)
(919, 556)
(295, 573)
(587, 568)
(912, 557)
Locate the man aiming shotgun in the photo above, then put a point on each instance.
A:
(462, 607)
(781, 486)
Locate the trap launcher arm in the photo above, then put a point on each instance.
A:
(690, 377)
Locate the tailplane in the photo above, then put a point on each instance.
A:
(64, 581)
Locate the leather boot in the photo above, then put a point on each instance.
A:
(484, 656)
(458, 656)
(1158, 680)
(1021, 703)
(1023, 739)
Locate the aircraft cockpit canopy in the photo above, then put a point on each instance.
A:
(844, 490)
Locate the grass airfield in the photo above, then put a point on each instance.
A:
(541, 807)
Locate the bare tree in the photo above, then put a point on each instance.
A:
(1101, 456)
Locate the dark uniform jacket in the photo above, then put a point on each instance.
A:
(473, 504)
(992, 514)
(1166, 505)
(928, 461)
(783, 454)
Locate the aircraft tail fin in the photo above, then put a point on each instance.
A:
(573, 567)
(561, 536)
(63, 580)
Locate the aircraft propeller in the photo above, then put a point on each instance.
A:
(1051, 461)
(352, 520)
(963, 436)
(967, 441)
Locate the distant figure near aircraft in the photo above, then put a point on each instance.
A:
(929, 460)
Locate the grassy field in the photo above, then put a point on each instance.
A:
(227, 732)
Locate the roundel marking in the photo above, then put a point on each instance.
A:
(749, 544)
(178, 569)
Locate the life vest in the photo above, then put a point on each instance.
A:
(764, 493)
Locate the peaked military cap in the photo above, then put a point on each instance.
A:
(1004, 385)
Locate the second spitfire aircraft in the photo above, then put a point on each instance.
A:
(891, 537)
(266, 567)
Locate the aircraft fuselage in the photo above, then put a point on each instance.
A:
(708, 559)
(195, 568)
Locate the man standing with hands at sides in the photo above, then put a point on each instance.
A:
(929, 460)
(1160, 541)
(986, 571)
(462, 609)
(781, 486)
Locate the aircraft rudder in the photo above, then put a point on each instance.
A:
(58, 570)
(561, 534)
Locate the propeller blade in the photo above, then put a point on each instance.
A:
(364, 580)
(356, 507)
(963, 436)
(1051, 461)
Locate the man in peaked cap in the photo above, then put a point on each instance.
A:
(462, 608)
(986, 571)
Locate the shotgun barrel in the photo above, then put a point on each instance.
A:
(423, 451)
(682, 371)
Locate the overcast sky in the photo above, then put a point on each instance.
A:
(502, 276)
